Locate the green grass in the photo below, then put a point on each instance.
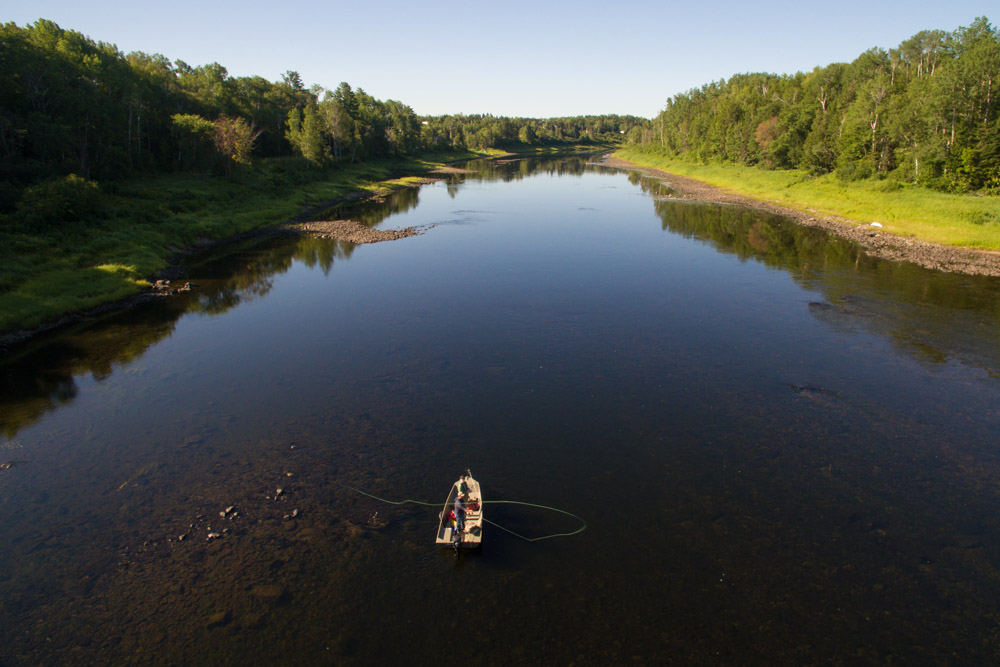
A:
(903, 209)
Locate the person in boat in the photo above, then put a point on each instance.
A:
(456, 526)
(459, 512)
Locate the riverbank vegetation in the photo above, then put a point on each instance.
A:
(111, 162)
(926, 113)
(938, 217)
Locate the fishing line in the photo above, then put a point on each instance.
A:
(583, 524)
(410, 501)
(390, 502)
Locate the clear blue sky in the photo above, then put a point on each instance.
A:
(510, 58)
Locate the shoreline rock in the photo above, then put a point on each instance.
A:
(352, 232)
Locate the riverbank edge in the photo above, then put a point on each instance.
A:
(875, 241)
(372, 190)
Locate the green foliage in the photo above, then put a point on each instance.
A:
(73, 105)
(234, 140)
(59, 202)
(483, 132)
(193, 136)
(305, 135)
(229, 139)
(926, 112)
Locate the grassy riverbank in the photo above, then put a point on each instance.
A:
(89, 253)
(947, 219)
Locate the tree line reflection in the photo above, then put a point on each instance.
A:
(41, 376)
(932, 316)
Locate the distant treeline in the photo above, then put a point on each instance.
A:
(925, 112)
(73, 107)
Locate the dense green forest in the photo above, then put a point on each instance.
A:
(924, 113)
(74, 111)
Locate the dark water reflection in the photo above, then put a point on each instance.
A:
(931, 315)
(786, 450)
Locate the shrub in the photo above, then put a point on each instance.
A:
(56, 202)
(855, 170)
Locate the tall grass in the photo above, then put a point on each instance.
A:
(907, 210)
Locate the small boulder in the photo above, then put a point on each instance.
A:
(219, 618)
(270, 593)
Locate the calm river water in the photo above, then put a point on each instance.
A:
(785, 451)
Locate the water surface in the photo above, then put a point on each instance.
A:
(786, 451)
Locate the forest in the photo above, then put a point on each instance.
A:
(74, 112)
(924, 113)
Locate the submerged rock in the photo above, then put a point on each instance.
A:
(219, 618)
(270, 593)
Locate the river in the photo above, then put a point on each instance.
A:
(784, 450)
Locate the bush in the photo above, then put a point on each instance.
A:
(855, 170)
(889, 185)
(57, 202)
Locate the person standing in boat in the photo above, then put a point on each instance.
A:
(459, 512)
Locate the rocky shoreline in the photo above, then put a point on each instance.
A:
(351, 231)
(875, 241)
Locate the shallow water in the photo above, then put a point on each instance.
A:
(784, 450)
